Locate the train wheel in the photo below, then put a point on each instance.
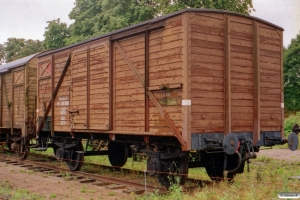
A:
(8, 142)
(215, 171)
(176, 174)
(117, 154)
(77, 159)
(23, 152)
(54, 150)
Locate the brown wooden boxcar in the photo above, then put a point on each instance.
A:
(17, 97)
(176, 83)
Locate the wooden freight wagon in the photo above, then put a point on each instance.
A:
(196, 79)
(17, 103)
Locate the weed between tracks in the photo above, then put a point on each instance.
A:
(267, 178)
(8, 192)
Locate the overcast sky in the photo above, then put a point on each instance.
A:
(27, 18)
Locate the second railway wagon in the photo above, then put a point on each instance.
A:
(197, 83)
(17, 103)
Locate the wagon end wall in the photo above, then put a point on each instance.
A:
(236, 77)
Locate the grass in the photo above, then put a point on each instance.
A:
(7, 191)
(267, 177)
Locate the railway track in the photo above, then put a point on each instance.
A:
(82, 177)
(42, 165)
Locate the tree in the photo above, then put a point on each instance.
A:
(169, 6)
(96, 17)
(16, 48)
(2, 53)
(56, 34)
(291, 63)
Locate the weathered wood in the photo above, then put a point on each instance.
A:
(241, 28)
(53, 97)
(126, 85)
(207, 21)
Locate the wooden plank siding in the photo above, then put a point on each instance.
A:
(61, 119)
(241, 69)
(18, 110)
(165, 69)
(99, 87)
(31, 94)
(270, 78)
(44, 85)
(131, 101)
(227, 65)
(212, 53)
(207, 69)
(17, 104)
(84, 89)
(6, 100)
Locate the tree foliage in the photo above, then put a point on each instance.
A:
(16, 48)
(291, 65)
(169, 6)
(96, 17)
(2, 53)
(56, 34)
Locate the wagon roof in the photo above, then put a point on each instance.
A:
(16, 63)
(157, 19)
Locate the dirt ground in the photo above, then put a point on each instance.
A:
(281, 154)
(52, 187)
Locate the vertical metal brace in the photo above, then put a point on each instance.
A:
(146, 81)
(282, 88)
(111, 107)
(227, 76)
(256, 76)
(52, 97)
(88, 90)
(25, 99)
(12, 102)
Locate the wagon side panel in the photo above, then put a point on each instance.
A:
(240, 46)
(129, 94)
(79, 88)
(7, 100)
(271, 91)
(98, 81)
(44, 88)
(19, 96)
(165, 75)
(207, 69)
(31, 95)
(61, 116)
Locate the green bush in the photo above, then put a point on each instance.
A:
(289, 122)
